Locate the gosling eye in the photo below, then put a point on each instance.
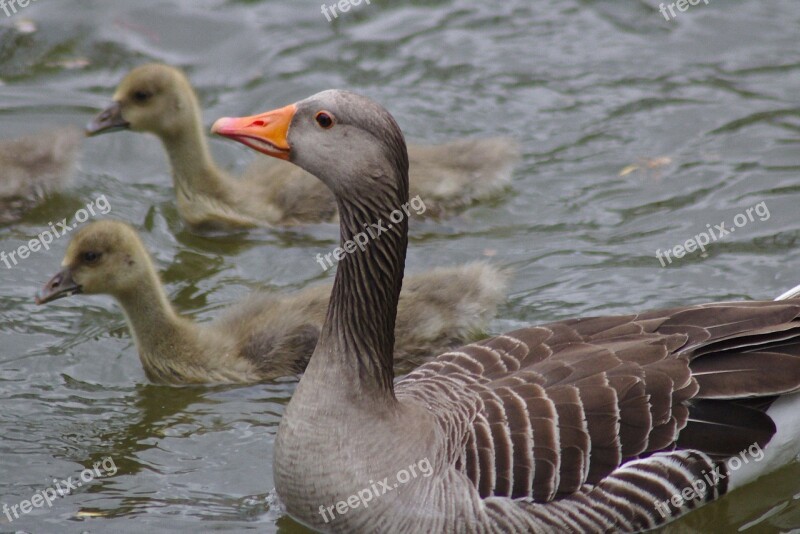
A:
(325, 120)
(140, 97)
(91, 257)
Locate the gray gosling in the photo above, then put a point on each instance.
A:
(33, 167)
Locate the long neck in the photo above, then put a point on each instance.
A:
(152, 319)
(358, 336)
(193, 169)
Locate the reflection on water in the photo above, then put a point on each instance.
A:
(637, 132)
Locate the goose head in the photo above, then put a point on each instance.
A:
(152, 98)
(103, 257)
(356, 148)
(346, 140)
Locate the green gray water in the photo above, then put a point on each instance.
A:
(588, 88)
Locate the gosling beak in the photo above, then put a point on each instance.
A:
(60, 286)
(109, 120)
(266, 133)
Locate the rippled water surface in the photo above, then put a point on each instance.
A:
(636, 132)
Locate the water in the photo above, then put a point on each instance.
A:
(704, 105)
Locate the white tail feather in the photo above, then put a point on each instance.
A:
(791, 294)
(783, 448)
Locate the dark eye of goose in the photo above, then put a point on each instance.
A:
(325, 120)
(91, 257)
(141, 96)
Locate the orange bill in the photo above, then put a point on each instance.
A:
(266, 133)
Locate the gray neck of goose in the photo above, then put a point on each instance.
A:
(358, 334)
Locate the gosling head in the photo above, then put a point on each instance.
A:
(103, 257)
(152, 98)
(347, 140)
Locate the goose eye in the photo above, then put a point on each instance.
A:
(325, 120)
(141, 96)
(91, 257)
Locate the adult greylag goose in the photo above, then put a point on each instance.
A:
(34, 166)
(599, 424)
(159, 99)
(267, 335)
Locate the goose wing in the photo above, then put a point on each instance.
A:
(541, 412)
